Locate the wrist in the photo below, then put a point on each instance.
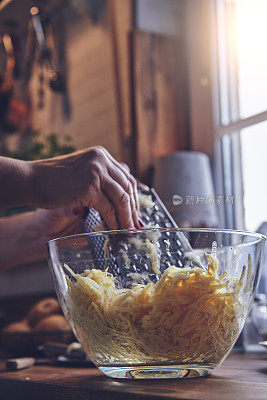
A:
(23, 172)
(53, 183)
(40, 177)
(27, 171)
(15, 180)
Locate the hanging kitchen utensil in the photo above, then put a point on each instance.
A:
(6, 81)
(41, 91)
(29, 54)
(41, 52)
(56, 79)
(57, 74)
(47, 55)
(39, 31)
(13, 110)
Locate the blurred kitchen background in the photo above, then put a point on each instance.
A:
(175, 88)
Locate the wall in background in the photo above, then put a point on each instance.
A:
(189, 22)
(91, 86)
(160, 99)
(159, 65)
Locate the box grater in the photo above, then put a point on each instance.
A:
(131, 255)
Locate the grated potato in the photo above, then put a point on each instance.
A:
(189, 315)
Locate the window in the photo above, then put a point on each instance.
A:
(253, 153)
(241, 73)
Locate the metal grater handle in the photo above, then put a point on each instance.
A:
(185, 243)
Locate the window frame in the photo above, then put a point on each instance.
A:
(227, 124)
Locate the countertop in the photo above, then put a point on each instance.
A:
(241, 376)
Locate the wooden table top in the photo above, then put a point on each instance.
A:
(241, 376)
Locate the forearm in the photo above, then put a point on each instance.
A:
(20, 240)
(15, 183)
(52, 182)
(89, 178)
(41, 183)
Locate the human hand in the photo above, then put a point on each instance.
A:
(23, 236)
(52, 224)
(90, 178)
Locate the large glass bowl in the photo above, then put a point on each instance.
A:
(138, 316)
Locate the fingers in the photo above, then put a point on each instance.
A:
(109, 198)
(134, 185)
(142, 186)
(118, 176)
(125, 166)
(107, 210)
(122, 202)
(126, 171)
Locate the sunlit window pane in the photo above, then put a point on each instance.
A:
(251, 26)
(254, 164)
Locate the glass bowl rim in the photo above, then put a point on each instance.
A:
(259, 237)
